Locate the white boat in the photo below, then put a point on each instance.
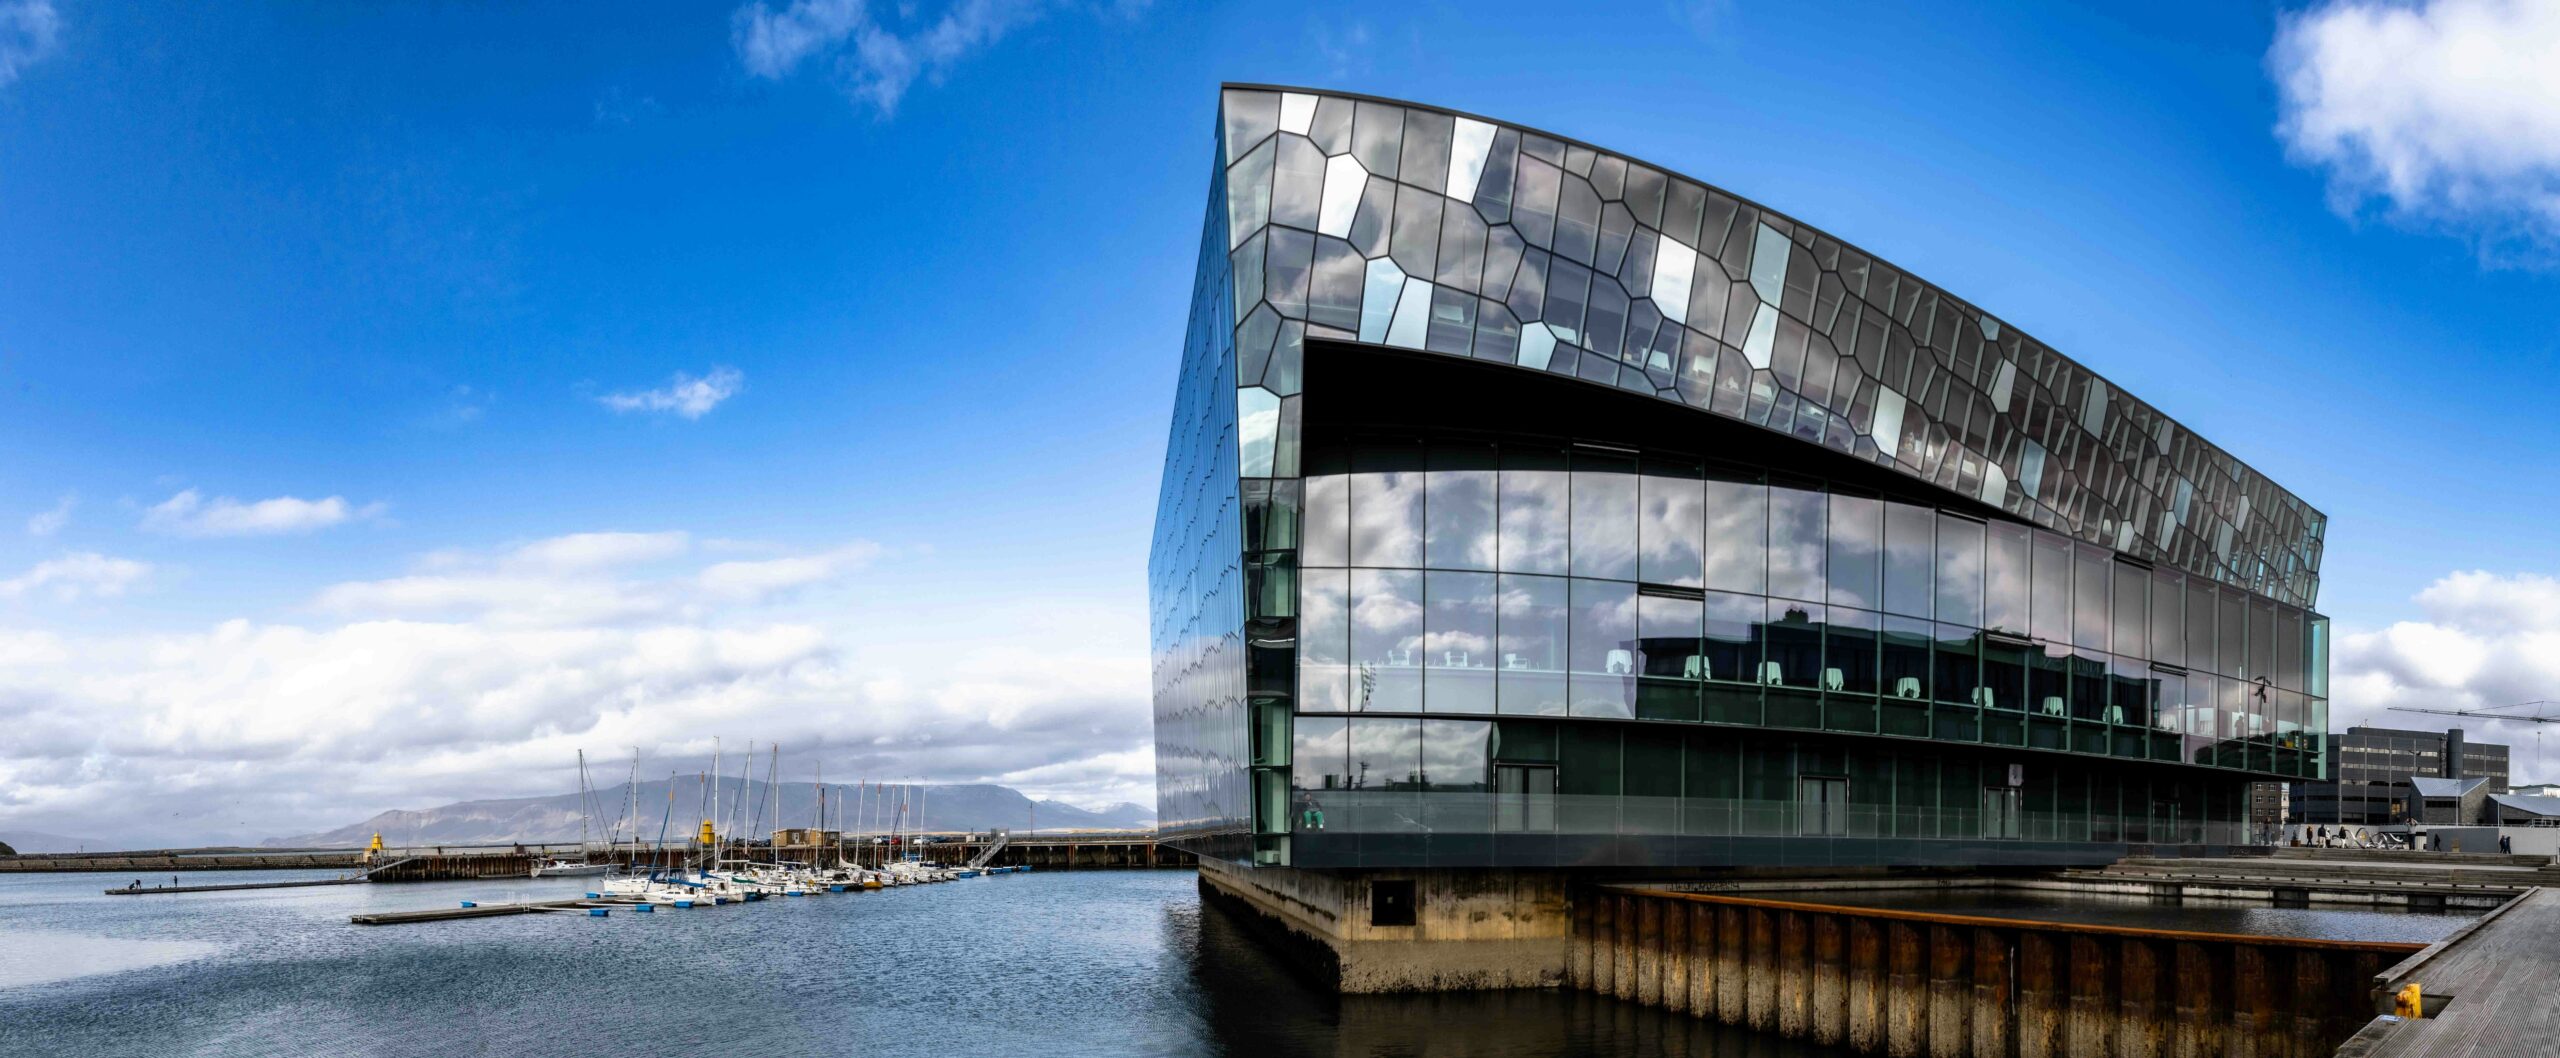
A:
(559, 868)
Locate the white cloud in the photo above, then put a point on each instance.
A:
(756, 580)
(76, 575)
(589, 551)
(2446, 110)
(771, 43)
(875, 61)
(587, 579)
(249, 728)
(29, 31)
(189, 514)
(51, 520)
(2485, 639)
(685, 395)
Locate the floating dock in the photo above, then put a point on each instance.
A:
(477, 910)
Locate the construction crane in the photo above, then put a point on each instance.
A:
(2540, 715)
(2490, 712)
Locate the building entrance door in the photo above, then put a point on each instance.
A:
(1524, 797)
(1822, 805)
(2000, 811)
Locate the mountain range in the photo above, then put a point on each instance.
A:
(30, 842)
(679, 809)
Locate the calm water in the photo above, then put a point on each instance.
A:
(1089, 963)
(2194, 915)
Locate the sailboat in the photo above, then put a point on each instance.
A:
(582, 867)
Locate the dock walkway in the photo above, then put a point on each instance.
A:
(2488, 990)
(151, 890)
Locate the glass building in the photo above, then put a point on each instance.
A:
(1528, 505)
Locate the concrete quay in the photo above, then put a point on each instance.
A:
(1764, 952)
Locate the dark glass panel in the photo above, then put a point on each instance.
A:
(1670, 658)
(1386, 640)
(1534, 523)
(1577, 221)
(1959, 571)
(2200, 637)
(1458, 649)
(1377, 137)
(2091, 574)
(2231, 635)
(1531, 626)
(1334, 298)
(1386, 775)
(1796, 544)
(1732, 637)
(1458, 507)
(1603, 649)
(1910, 542)
(2006, 559)
(2262, 639)
(1651, 764)
(1671, 532)
(1849, 670)
(1324, 640)
(1590, 775)
(1794, 645)
(1386, 505)
(1425, 161)
(2168, 617)
(2132, 619)
(1416, 242)
(1737, 536)
(1857, 551)
(1604, 515)
(2049, 616)
(1320, 755)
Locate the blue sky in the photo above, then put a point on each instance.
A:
(335, 338)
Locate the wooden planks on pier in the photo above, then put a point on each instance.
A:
(2489, 990)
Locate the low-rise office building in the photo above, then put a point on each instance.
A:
(2373, 769)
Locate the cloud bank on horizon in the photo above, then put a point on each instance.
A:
(479, 674)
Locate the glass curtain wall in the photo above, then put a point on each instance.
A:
(1550, 580)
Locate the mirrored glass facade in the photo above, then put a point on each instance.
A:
(1908, 583)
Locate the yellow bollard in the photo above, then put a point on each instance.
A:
(2409, 1004)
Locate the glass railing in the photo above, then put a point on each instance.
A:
(1416, 812)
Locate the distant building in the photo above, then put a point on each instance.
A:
(2377, 766)
(2268, 803)
(2543, 789)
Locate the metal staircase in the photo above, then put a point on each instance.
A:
(995, 844)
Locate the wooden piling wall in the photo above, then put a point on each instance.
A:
(1913, 984)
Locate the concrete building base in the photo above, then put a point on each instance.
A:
(1471, 929)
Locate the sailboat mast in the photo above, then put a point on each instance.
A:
(583, 799)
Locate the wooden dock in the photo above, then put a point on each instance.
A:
(2488, 990)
